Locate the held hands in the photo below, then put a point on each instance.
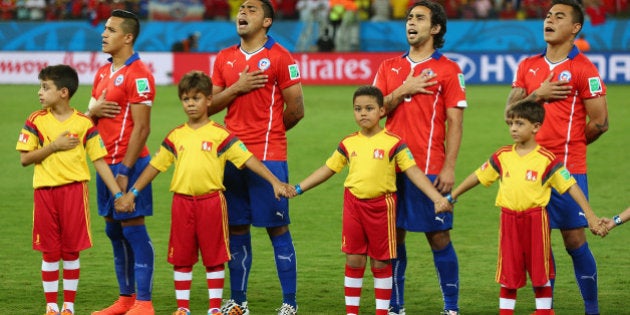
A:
(125, 203)
(597, 226)
(103, 108)
(284, 190)
(608, 223)
(65, 141)
(443, 205)
(551, 91)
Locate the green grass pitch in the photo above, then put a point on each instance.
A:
(316, 218)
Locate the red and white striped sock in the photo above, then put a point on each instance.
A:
(544, 298)
(182, 276)
(507, 301)
(215, 276)
(71, 272)
(50, 280)
(382, 288)
(353, 283)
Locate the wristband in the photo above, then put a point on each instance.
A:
(617, 220)
(450, 199)
(134, 191)
(118, 195)
(298, 189)
(123, 170)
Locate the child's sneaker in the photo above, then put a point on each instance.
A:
(400, 312)
(51, 311)
(141, 308)
(120, 307)
(232, 308)
(182, 311)
(287, 309)
(449, 312)
(214, 311)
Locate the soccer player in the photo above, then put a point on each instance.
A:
(199, 148)
(424, 102)
(369, 211)
(259, 83)
(568, 85)
(122, 97)
(56, 140)
(526, 172)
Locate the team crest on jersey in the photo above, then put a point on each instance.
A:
(378, 154)
(206, 146)
(264, 64)
(23, 138)
(564, 76)
(594, 85)
(531, 176)
(294, 72)
(142, 85)
(119, 80)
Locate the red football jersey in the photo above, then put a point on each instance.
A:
(563, 130)
(256, 118)
(421, 119)
(131, 84)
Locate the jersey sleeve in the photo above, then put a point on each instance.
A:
(141, 87)
(165, 156)
(591, 84)
(288, 71)
(94, 145)
(28, 140)
(235, 150)
(380, 81)
(403, 157)
(455, 88)
(489, 171)
(217, 71)
(559, 177)
(339, 159)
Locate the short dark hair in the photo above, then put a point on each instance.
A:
(438, 17)
(130, 24)
(195, 81)
(369, 90)
(269, 12)
(530, 110)
(63, 76)
(578, 10)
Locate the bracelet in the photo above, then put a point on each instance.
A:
(118, 195)
(134, 191)
(123, 170)
(617, 220)
(450, 199)
(298, 189)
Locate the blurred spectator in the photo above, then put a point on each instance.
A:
(582, 44)
(364, 8)
(234, 6)
(380, 10)
(326, 41)
(312, 13)
(217, 10)
(535, 9)
(483, 9)
(343, 17)
(7, 10)
(189, 44)
(286, 9)
(596, 11)
(508, 12)
(36, 9)
(21, 12)
(399, 9)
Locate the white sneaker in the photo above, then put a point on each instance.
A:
(448, 312)
(232, 308)
(400, 312)
(287, 309)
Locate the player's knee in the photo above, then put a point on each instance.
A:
(51, 256)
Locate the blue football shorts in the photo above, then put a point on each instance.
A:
(250, 198)
(564, 212)
(144, 201)
(416, 212)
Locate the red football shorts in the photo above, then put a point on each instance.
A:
(198, 223)
(61, 218)
(369, 226)
(524, 246)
